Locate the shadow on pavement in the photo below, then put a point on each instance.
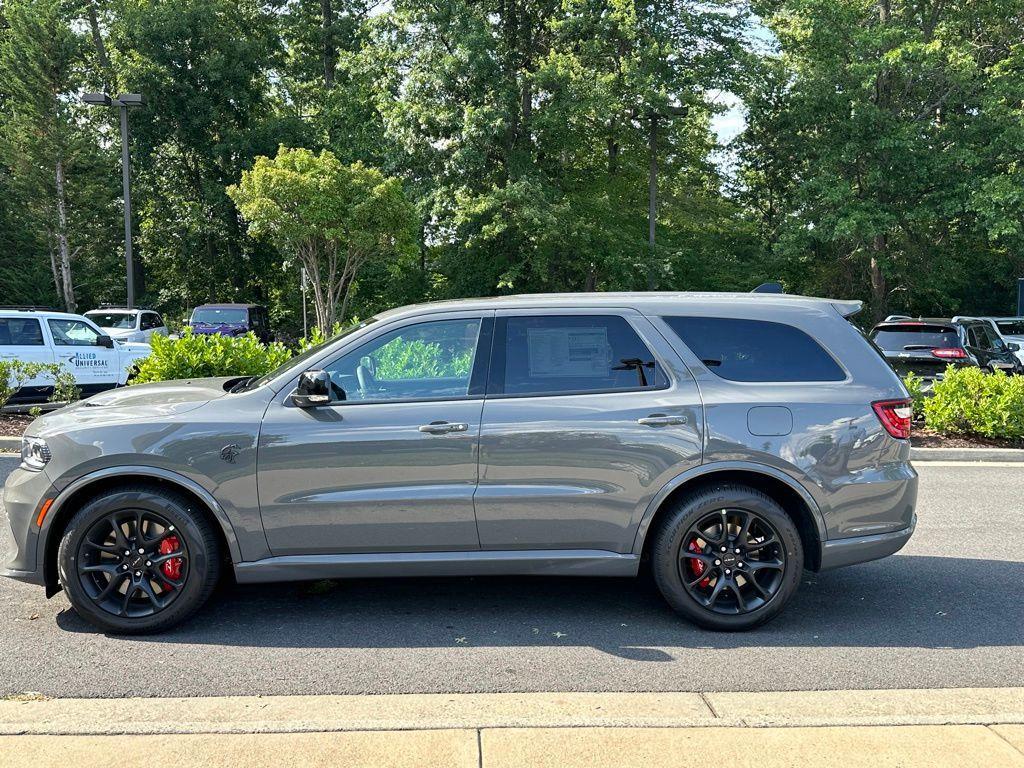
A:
(903, 601)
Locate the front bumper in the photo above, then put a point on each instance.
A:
(24, 493)
(861, 549)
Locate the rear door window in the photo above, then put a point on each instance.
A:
(755, 350)
(906, 338)
(571, 354)
(18, 331)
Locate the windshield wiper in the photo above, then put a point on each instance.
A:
(241, 385)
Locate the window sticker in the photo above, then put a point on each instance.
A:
(570, 351)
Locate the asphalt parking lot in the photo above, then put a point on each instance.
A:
(946, 612)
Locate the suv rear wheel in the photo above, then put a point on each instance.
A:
(727, 557)
(138, 559)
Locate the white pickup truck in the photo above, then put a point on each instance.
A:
(96, 360)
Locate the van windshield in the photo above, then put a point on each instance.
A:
(1011, 327)
(112, 319)
(219, 316)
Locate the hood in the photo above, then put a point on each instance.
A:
(140, 401)
(227, 329)
(118, 333)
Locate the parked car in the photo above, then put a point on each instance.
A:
(71, 340)
(730, 439)
(927, 346)
(1011, 329)
(231, 320)
(128, 324)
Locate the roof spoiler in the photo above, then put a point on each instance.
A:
(771, 287)
(848, 308)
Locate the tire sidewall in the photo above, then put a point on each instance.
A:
(669, 539)
(200, 561)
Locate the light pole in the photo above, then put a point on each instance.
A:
(123, 101)
(652, 182)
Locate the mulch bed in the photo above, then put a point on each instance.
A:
(13, 424)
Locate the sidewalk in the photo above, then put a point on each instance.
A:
(962, 727)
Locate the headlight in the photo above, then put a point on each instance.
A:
(35, 453)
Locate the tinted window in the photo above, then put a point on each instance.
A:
(755, 350)
(72, 333)
(20, 331)
(149, 320)
(1011, 327)
(573, 353)
(422, 361)
(900, 338)
(119, 320)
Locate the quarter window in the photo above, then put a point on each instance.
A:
(18, 331)
(416, 362)
(755, 350)
(564, 354)
(72, 333)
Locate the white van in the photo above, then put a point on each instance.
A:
(74, 341)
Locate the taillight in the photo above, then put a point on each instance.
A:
(949, 353)
(895, 416)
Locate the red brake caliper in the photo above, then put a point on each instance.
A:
(696, 565)
(172, 567)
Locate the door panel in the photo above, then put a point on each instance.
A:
(21, 338)
(75, 347)
(577, 471)
(393, 467)
(364, 478)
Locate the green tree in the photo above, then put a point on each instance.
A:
(330, 219)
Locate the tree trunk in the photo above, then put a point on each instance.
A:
(330, 51)
(101, 48)
(879, 289)
(62, 241)
(54, 269)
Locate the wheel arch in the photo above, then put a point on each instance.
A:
(793, 498)
(69, 500)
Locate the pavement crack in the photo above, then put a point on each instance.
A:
(1002, 738)
(707, 703)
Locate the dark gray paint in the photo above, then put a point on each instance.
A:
(563, 484)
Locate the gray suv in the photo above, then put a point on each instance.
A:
(731, 440)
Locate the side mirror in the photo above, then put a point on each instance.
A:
(104, 341)
(314, 388)
(1013, 347)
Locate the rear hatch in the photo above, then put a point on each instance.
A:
(924, 349)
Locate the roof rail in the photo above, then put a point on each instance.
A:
(29, 308)
(771, 287)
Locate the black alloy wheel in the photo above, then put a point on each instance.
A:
(727, 557)
(138, 559)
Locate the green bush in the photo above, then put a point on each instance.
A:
(15, 373)
(970, 402)
(196, 356)
(914, 386)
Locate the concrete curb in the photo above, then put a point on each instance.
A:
(411, 712)
(10, 445)
(978, 455)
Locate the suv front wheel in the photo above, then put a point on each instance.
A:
(138, 559)
(727, 557)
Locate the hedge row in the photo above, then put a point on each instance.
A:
(970, 402)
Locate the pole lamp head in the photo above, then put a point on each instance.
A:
(130, 99)
(100, 99)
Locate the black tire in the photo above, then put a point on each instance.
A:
(729, 610)
(197, 544)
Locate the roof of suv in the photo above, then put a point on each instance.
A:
(657, 300)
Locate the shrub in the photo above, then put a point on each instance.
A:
(15, 373)
(969, 401)
(914, 387)
(197, 356)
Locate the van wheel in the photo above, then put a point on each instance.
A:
(136, 560)
(727, 557)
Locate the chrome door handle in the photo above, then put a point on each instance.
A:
(661, 420)
(443, 428)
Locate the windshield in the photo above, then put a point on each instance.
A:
(904, 337)
(112, 319)
(302, 357)
(219, 316)
(1011, 327)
